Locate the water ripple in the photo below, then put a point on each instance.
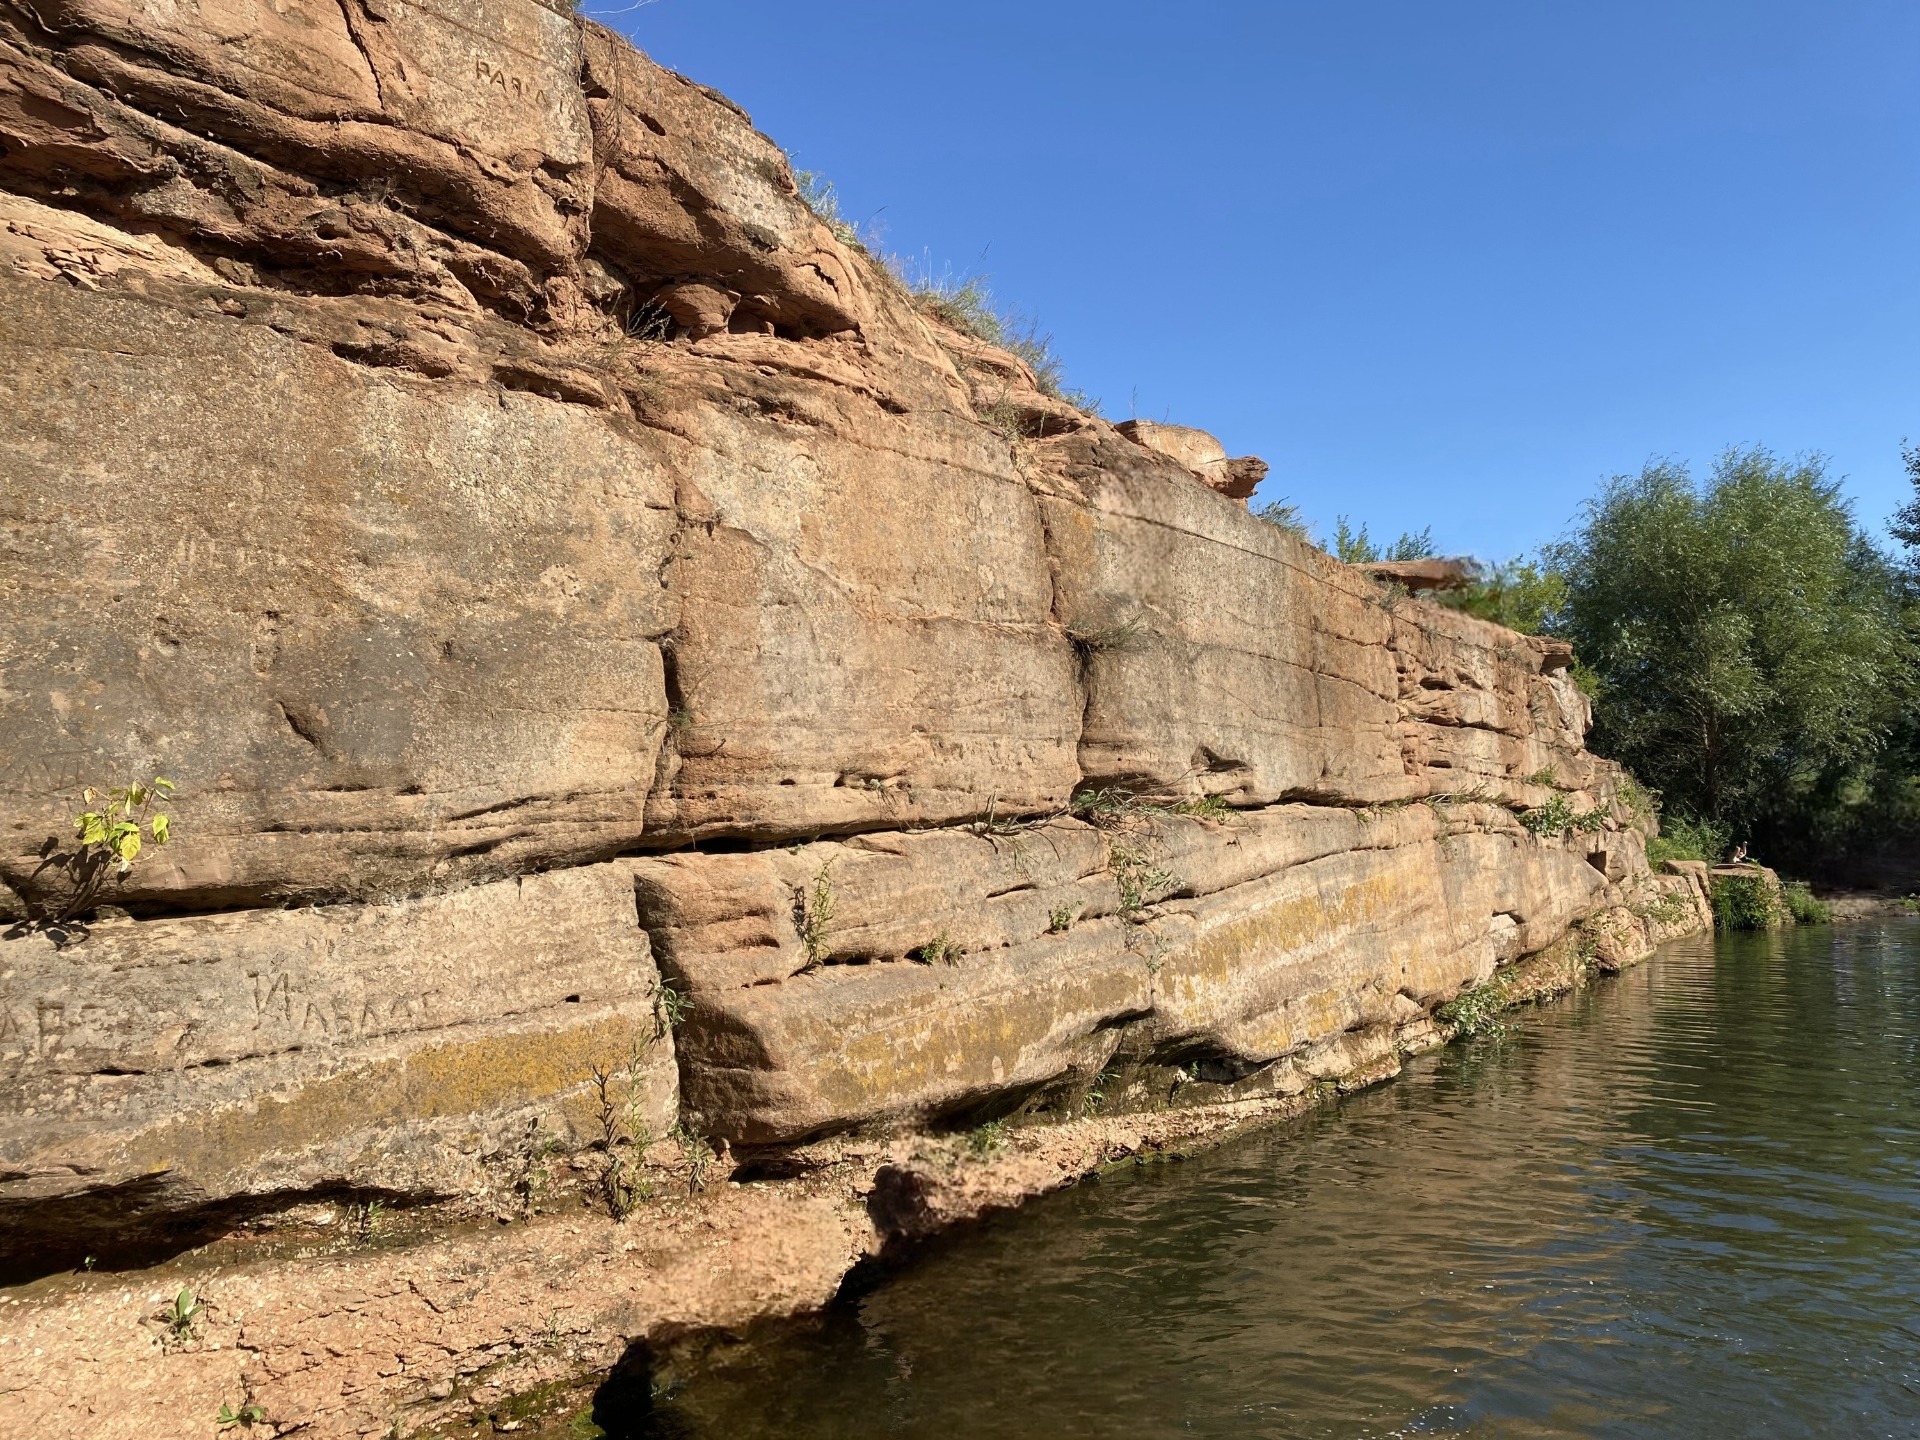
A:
(1683, 1204)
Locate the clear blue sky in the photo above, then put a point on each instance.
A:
(1437, 263)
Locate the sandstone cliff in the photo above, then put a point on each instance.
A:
(550, 559)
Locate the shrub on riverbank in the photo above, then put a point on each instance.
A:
(1751, 902)
(1745, 902)
(1804, 906)
(1683, 839)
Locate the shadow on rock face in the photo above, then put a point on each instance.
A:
(126, 1226)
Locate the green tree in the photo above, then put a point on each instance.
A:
(1356, 547)
(1749, 645)
(1523, 595)
(1906, 520)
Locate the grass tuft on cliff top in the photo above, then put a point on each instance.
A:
(964, 302)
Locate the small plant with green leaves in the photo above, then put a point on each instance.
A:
(671, 1008)
(1284, 515)
(1557, 817)
(1586, 947)
(1204, 807)
(1097, 1092)
(1060, 919)
(1113, 806)
(1545, 775)
(535, 1170)
(1638, 801)
(624, 1137)
(116, 829)
(941, 950)
(985, 1139)
(1106, 806)
(1475, 1010)
(997, 824)
(364, 1220)
(246, 1417)
(1481, 794)
(182, 1315)
(110, 836)
(1521, 594)
(697, 1154)
(813, 913)
(1356, 547)
(1139, 881)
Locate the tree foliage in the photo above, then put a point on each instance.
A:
(1356, 547)
(1906, 520)
(1524, 595)
(1752, 655)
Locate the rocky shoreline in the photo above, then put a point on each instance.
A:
(665, 720)
(466, 1317)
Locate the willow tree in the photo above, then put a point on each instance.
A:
(1746, 640)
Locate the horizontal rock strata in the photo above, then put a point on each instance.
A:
(897, 976)
(577, 593)
(169, 1071)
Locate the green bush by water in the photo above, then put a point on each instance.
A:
(1744, 902)
(1805, 908)
(1681, 838)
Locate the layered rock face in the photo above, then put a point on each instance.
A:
(547, 557)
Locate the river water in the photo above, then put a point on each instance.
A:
(1683, 1203)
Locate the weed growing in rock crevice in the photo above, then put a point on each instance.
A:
(109, 838)
(534, 1171)
(1287, 516)
(1111, 807)
(813, 912)
(1089, 640)
(1557, 817)
(1475, 1010)
(246, 1417)
(941, 950)
(697, 1152)
(363, 1220)
(624, 1137)
(180, 1318)
(670, 1010)
(984, 1139)
(1139, 881)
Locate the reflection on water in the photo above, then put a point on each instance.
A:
(1684, 1203)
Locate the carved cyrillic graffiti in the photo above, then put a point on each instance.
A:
(279, 1003)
